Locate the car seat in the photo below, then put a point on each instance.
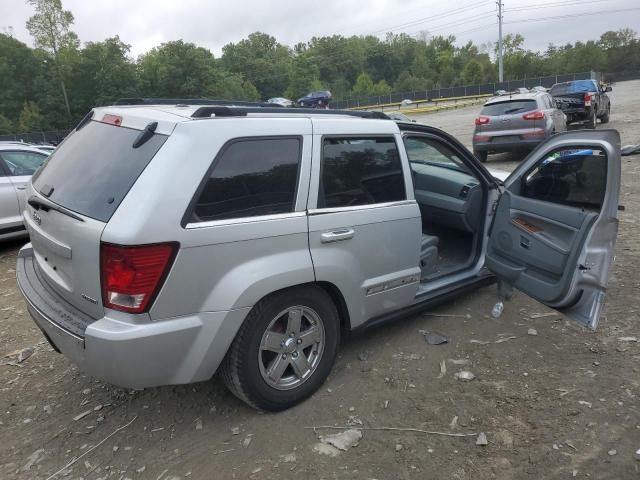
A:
(428, 256)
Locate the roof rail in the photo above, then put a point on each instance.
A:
(191, 101)
(238, 111)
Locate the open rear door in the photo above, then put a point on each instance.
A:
(555, 225)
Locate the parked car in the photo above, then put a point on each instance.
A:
(287, 230)
(514, 122)
(283, 102)
(17, 164)
(583, 101)
(398, 116)
(320, 99)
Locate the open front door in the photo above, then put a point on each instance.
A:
(555, 225)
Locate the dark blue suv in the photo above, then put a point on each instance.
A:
(320, 99)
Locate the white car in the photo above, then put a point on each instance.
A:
(17, 164)
(283, 102)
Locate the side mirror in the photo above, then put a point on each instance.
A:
(608, 89)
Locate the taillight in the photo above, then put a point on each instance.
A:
(535, 115)
(112, 119)
(587, 99)
(482, 120)
(133, 275)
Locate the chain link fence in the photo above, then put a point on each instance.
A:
(463, 91)
(52, 137)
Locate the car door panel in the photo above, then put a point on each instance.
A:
(555, 225)
(363, 239)
(541, 236)
(10, 218)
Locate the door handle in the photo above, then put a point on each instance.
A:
(337, 235)
(21, 187)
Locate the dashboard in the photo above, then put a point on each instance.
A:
(447, 196)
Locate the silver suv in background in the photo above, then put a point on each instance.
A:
(518, 121)
(17, 163)
(172, 241)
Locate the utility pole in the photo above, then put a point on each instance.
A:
(500, 66)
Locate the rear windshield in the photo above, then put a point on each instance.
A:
(579, 86)
(508, 107)
(94, 168)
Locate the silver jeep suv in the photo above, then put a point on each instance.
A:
(169, 241)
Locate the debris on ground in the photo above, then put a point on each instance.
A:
(19, 356)
(324, 449)
(398, 447)
(464, 375)
(505, 339)
(288, 458)
(482, 439)
(479, 342)
(198, 424)
(535, 316)
(342, 441)
(443, 369)
(454, 423)
(235, 430)
(434, 338)
(82, 415)
(532, 331)
(612, 452)
(33, 459)
(628, 339)
(247, 441)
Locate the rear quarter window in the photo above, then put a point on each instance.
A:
(251, 177)
(508, 107)
(95, 167)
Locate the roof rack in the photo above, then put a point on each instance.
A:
(238, 111)
(191, 101)
(233, 108)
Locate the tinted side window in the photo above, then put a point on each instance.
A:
(576, 177)
(22, 163)
(251, 177)
(360, 171)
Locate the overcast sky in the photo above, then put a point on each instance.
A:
(213, 23)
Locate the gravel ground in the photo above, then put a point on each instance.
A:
(556, 405)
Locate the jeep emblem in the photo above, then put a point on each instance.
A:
(36, 217)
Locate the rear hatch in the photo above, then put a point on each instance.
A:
(508, 120)
(73, 196)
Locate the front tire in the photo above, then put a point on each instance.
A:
(481, 155)
(284, 350)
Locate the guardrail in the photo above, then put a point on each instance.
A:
(418, 106)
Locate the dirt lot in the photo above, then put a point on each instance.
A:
(560, 404)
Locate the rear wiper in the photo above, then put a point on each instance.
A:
(512, 110)
(46, 205)
(145, 135)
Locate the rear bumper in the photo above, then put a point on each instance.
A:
(489, 146)
(123, 349)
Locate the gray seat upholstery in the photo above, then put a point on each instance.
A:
(428, 256)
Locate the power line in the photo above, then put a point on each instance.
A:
(566, 3)
(431, 17)
(573, 15)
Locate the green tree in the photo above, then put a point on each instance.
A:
(302, 75)
(381, 88)
(5, 125)
(18, 69)
(50, 28)
(363, 85)
(473, 72)
(261, 60)
(30, 119)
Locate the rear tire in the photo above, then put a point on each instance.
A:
(605, 117)
(593, 121)
(253, 369)
(482, 156)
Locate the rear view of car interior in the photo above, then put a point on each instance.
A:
(451, 203)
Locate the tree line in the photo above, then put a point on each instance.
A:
(55, 83)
